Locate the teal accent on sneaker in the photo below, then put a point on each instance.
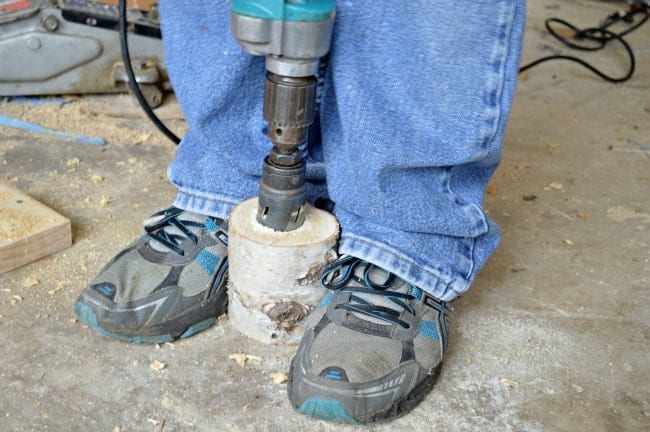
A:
(429, 329)
(211, 225)
(416, 292)
(199, 327)
(326, 409)
(87, 316)
(208, 261)
(326, 300)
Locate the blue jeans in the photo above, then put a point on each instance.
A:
(415, 101)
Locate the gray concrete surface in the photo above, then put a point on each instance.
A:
(553, 336)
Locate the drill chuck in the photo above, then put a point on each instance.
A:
(289, 108)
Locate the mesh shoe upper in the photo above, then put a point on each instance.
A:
(373, 346)
(166, 281)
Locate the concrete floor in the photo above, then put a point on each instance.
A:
(553, 336)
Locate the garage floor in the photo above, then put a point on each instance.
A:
(553, 336)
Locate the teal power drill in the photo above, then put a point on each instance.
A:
(293, 35)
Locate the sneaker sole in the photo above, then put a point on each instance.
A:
(333, 410)
(87, 316)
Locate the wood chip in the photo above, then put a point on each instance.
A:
(510, 383)
(556, 186)
(565, 33)
(105, 201)
(524, 75)
(492, 190)
(142, 138)
(241, 359)
(567, 242)
(15, 299)
(95, 178)
(157, 366)
(73, 162)
(30, 281)
(59, 287)
(279, 377)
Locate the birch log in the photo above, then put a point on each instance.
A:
(274, 276)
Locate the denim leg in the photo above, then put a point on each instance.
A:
(220, 89)
(414, 109)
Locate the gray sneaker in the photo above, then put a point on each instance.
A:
(373, 347)
(170, 283)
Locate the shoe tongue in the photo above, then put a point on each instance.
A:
(378, 276)
(171, 229)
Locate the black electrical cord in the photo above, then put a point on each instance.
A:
(133, 85)
(599, 37)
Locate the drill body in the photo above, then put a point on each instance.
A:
(293, 35)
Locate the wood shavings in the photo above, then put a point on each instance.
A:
(492, 190)
(30, 281)
(74, 162)
(15, 299)
(510, 383)
(117, 429)
(143, 138)
(95, 178)
(59, 287)
(567, 242)
(523, 76)
(157, 366)
(105, 201)
(241, 359)
(556, 186)
(153, 422)
(74, 320)
(279, 377)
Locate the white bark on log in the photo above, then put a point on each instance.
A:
(274, 276)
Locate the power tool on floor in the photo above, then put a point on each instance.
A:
(35, 33)
(293, 35)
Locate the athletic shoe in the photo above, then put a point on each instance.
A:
(170, 283)
(373, 347)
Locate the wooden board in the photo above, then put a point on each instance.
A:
(133, 4)
(29, 230)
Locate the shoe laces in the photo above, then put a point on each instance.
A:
(355, 276)
(170, 230)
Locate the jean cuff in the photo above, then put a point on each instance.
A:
(444, 287)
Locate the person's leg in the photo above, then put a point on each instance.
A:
(415, 106)
(171, 282)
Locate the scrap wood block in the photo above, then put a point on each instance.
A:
(29, 230)
(144, 5)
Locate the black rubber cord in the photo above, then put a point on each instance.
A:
(133, 85)
(599, 37)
